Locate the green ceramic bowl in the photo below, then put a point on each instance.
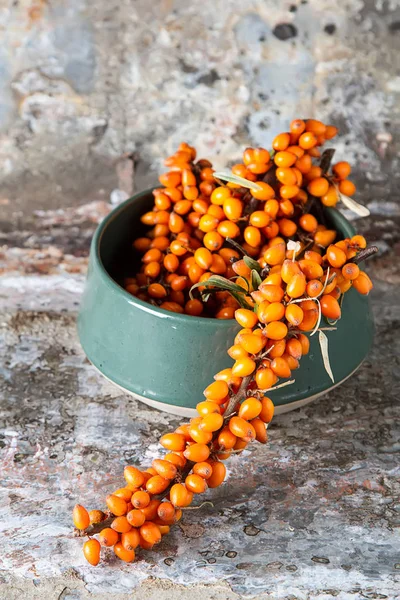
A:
(166, 359)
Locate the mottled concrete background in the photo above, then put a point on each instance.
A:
(92, 95)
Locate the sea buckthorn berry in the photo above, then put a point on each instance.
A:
(324, 238)
(292, 362)
(259, 218)
(336, 256)
(281, 141)
(220, 194)
(308, 223)
(108, 537)
(161, 242)
(140, 499)
(135, 517)
(116, 505)
(157, 484)
(175, 459)
(152, 255)
(350, 271)
(266, 192)
(297, 126)
(196, 483)
(130, 539)
(218, 265)
(294, 314)
(172, 307)
(80, 517)
(294, 348)
(252, 236)
(330, 132)
(289, 191)
(363, 284)
(148, 218)
(265, 378)
(267, 410)
(142, 244)
(150, 532)
(253, 344)
(347, 187)
(315, 126)
(261, 430)
(271, 292)
(358, 241)
(276, 330)
(226, 439)
(311, 269)
(275, 255)
(212, 422)
(289, 269)
(307, 140)
(240, 444)
(178, 495)
(216, 391)
(175, 442)
(208, 223)
(286, 175)
(134, 477)
(197, 452)
(276, 348)
(314, 288)
(156, 290)
(287, 227)
(166, 511)
(242, 429)
(243, 367)
(218, 474)
(121, 525)
(91, 551)
(280, 367)
(124, 493)
(123, 553)
(318, 186)
(228, 229)
(213, 241)
(152, 270)
(275, 311)
(341, 169)
(96, 516)
(207, 407)
(194, 307)
(285, 159)
(203, 469)
(296, 286)
(198, 435)
(331, 197)
(233, 208)
(246, 318)
(227, 312)
(330, 307)
(250, 409)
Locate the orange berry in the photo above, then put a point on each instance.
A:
(124, 493)
(265, 378)
(91, 551)
(226, 439)
(194, 307)
(294, 314)
(260, 429)
(96, 516)
(203, 469)
(108, 537)
(150, 511)
(141, 499)
(271, 292)
(150, 532)
(347, 187)
(275, 255)
(311, 269)
(331, 197)
(135, 517)
(243, 367)
(197, 452)
(305, 342)
(213, 241)
(179, 495)
(350, 271)
(281, 141)
(217, 390)
(242, 429)
(324, 238)
(212, 422)
(286, 175)
(116, 505)
(289, 191)
(196, 483)
(276, 348)
(121, 525)
(208, 223)
(287, 227)
(130, 539)
(123, 553)
(294, 348)
(341, 169)
(134, 477)
(284, 159)
(358, 241)
(172, 307)
(296, 286)
(80, 517)
(318, 187)
(233, 208)
(173, 441)
(276, 330)
(297, 126)
(330, 132)
(330, 307)
(219, 195)
(266, 192)
(315, 126)
(259, 218)
(308, 222)
(307, 140)
(157, 484)
(252, 236)
(203, 258)
(363, 284)
(250, 409)
(166, 511)
(267, 410)
(314, 288)
(207, 407)
(218, 474)
(336, 256)
(228, 229)
(280, 367)
(253, 344)
(198, 435)
(246, 318)
(176, 459)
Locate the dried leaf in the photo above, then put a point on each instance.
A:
(359, 209)
(323, 342)
(231, 178)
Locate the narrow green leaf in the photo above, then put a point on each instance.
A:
(221, 283)
(252, 264)
(255, 279)
(323, 342)
(231, 178)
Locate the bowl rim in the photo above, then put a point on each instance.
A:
(345, 226)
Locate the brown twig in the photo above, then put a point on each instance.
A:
(365, 254)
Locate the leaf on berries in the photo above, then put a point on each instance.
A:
(359, 209)
(323, 342)
(241, 181)
(255, 279)
(252, 264)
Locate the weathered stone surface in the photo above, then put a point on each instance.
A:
(312, 515)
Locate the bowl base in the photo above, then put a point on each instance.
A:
(181, 411)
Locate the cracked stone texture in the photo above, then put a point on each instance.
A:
(92, 96)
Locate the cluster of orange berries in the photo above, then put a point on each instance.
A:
(284, 294)
(194, 214)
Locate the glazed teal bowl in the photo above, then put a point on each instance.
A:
(167, 359)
